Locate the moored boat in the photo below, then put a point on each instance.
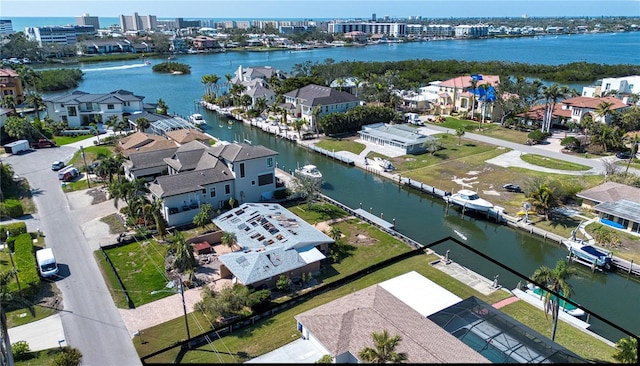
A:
(310, 172)
(197, 119)
(592, 254)
(386, 165)
(469, 199)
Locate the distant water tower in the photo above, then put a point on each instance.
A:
(373, 17)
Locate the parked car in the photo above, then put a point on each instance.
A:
(512, 188)
(624, 155)
(57, 165)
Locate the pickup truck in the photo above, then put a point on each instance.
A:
(43, 143)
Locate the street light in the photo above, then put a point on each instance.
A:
(184, 307)
(85, 165)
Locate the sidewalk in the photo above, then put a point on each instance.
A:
(41, 334)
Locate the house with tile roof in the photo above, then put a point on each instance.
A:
(617, 205)
(274, 242)
(11, 84)
(185, 135)
(304, 100)
(198, 173)
(574, 109)
(79, 108)
(456, 95)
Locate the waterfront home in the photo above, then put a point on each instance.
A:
(184, 135)
(617, 205)
(574, 109)
(141, 141)
(304, 100)
(199, 173)
(623, 87)
(457, 94)
(148, 164)
(11, 85)
(79, 108)
(105, 46)
(273, 242)
(400, 138)
(435, 326)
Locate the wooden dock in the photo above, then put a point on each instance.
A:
(626, 267)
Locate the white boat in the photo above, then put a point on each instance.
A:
(469, 200)
(309, 172)
(197, 119)
(383, 163)
(593, 254)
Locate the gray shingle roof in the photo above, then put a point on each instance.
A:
(611, 192)
(82, 97)
(240, 152)
(346, 324)
(313, 95)
(175, 184)
(149, 159)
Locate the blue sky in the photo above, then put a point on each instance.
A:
(314, 9)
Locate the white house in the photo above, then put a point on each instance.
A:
(581, 106)
(623, 87)
(199, 174)
(80, 108)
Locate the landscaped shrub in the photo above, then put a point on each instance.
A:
(14, 229)
(20, 350)
(67, 357)
(25, 261)
(281, 194)
(11, 207)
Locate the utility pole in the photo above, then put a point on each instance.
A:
(84, 160)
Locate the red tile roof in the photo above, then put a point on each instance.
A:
(463, 82)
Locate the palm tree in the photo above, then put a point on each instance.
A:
(184, 259)
(297, 125)
(316, 114)
(36, 101)
(603, 110)
(551, 94)
(93, 127)
(554, 280)
(162, 108)
(203, 218)
(627, 350)
(9, 102)
(384, 351)
(155, 207)
(460, 132)
(474, 87)
(229, 239)
(142, 124)
(543, 197)
(634, 140)
(335, 233)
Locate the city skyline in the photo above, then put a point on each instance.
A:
(310, 9)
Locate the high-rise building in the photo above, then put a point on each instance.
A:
(137, 22)
(86, 19)
(6, 27)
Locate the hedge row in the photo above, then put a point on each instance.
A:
(25, 261)
(11, 207)
(14, 230)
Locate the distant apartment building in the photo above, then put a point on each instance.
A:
(6, 27)
(178, 23)
(471, 31)
(439, 30)
(87, 19)
(415, 29)
(64, 34)
(388, 29)
(137, 22)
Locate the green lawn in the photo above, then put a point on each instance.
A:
(551, 163)
(65, 140)
(573, 339)
(333, 144)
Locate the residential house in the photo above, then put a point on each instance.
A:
(617, 205)
(104, 46)
(185, 135)
(304, 100)
(274, 242)
(80, 108)
(456, 95)
(435, 326)
(141, 141)
(574, 109)
(198, 174)
(11, 85)
(401, 138)
(147, 164)
(205, 43)
(623, 87)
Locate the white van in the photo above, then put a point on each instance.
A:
(413, 118)
(47, 265)
(62, 171)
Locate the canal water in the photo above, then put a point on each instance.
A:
(419, 216)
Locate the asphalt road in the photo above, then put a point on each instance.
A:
(90, 318)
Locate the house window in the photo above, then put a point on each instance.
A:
(71, 111)
(265, 179)
(241, 170)
(269, 162)
(110, 106)
(212, 192)
(227, 189)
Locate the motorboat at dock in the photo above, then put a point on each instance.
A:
(564, 306)
(310, 172)
(197, 119)
(469, 200)
(590, 255)
(385, 164)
